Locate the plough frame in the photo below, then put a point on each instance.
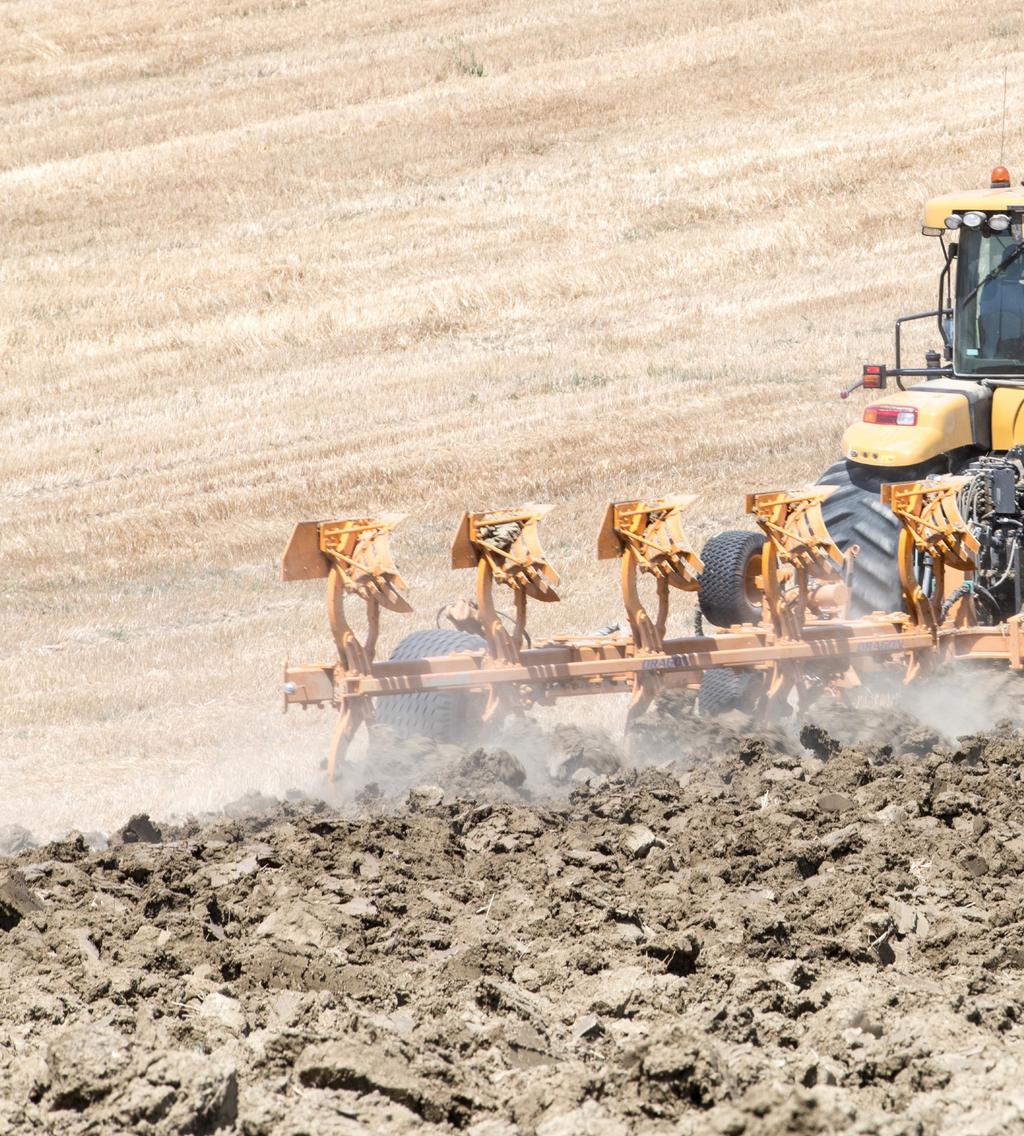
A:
(804, 644)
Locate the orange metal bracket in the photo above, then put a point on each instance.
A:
(932, 525)
(504, 547)
(1016, 642)
(799, 542)
(648, 537)
(355, 556)
(798, 549)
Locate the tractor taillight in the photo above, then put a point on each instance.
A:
(873, 376)
(883, 415)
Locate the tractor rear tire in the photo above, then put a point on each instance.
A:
(440, 717)
(722, 689)
(727, 593)
(855, 515)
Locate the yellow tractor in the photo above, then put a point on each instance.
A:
(965, 416)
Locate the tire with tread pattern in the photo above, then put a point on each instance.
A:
(724, 593)
(855, 515)
(721, 689)
(440, 717)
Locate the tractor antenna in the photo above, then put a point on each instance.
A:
(1002, 135)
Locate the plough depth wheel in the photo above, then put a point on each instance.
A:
(722, 690)
(729, 592)
(440, 717)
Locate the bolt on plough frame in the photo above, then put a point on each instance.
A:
(804, 645)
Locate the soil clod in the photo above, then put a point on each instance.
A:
(737, 937)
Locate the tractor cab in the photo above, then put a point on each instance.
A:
(971, 399)
(982, 317)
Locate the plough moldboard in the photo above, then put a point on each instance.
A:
(804, 645)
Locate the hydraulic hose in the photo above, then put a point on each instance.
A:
(969, 588)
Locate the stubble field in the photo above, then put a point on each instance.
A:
(265, 262)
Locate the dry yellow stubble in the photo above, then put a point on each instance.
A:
(265, 261)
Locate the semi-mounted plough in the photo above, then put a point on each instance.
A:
(805, 643)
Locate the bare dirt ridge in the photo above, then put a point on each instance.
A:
(768, 935)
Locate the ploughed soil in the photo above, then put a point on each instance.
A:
(814, 931)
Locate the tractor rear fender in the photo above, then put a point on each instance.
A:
(946, 415)
(1007, 417)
